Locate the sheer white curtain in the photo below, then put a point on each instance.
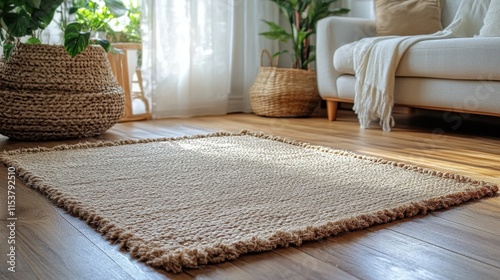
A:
(200, 57)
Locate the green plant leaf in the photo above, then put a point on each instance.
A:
(276, 35)
(8, 5)
(73, 9)
(311, 58)
(105, 44)
(302, 16)
(116, 7)
(272, 25)
(340, 11)
(44, 15)
(276, 32)
(17, 24)
(7, 50)
(285, 7)
(28, 9)
(301, 36)
(278, 53)
(34, 3)
(75, 41)
(33, 41)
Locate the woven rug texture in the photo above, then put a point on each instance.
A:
(179, 203)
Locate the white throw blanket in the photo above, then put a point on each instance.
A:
(376, 60)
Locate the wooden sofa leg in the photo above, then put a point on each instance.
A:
(331, 110)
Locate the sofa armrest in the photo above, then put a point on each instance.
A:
(331, 34)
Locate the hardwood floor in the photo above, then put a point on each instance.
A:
(459, 243)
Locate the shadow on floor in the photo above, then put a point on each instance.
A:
(450, 122)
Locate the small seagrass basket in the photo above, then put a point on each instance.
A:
(283, 92)
(47, 95)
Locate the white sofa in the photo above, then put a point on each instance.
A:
(461, 75)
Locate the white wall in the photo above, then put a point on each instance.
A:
(359, 8)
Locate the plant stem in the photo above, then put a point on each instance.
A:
(298, 56)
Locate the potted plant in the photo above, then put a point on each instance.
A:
(24, 18)
(132, 29)
(53, 92)
(291, 92)
(96, 15)
(28, 18)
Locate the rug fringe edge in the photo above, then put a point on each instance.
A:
(178, 260)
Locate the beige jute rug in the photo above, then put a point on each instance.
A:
(184, 202)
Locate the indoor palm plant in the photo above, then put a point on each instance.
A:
(302, 16)
(50, 91)
(281, 92)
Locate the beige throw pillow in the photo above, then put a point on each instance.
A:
(407, 17)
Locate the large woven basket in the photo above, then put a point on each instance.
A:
(283, 92)
(47, 95)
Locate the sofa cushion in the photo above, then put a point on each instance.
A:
(491, 25)
(409, 17)
(460, 58)
(474, 96)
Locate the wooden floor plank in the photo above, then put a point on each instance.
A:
(479, 216)
(50, 246)
(289, 264)
(133, 267)
(367, 257)
(458, 243)
(20, 269)
(427, 255)
(223, 271)
(477, 244)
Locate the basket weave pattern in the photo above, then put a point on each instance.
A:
(284, 92)
(46, 95)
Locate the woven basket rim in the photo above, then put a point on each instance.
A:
(54, 45)
(89, 51)
(49, 68)
(289, 69)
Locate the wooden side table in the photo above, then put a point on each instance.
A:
(120, 66)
